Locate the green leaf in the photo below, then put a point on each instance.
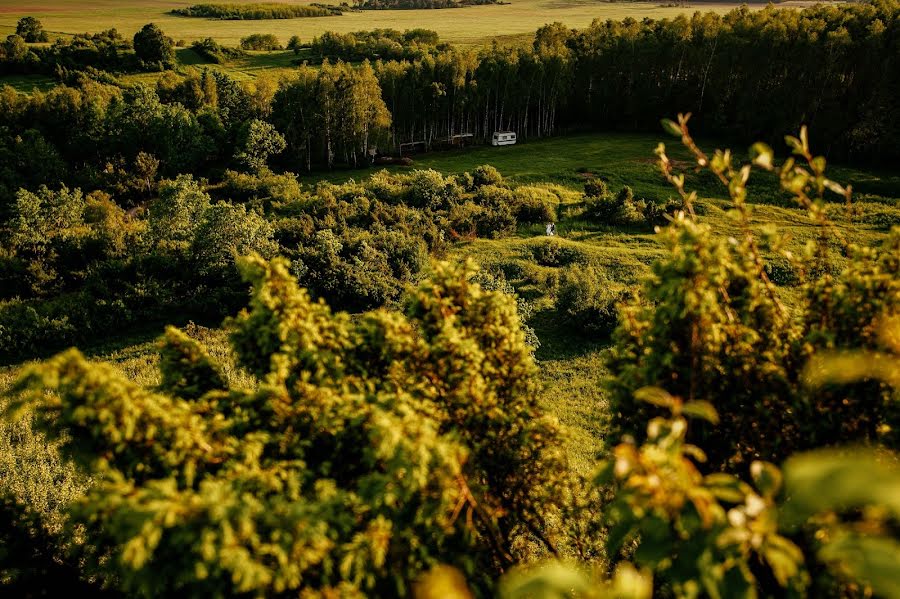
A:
(701, 409)
(835, 480)
(655, 396)
(783, 557)
(671, 127)
(874, 560)
(726, 487)
(548, 581)
(762, 155)
(767, 478)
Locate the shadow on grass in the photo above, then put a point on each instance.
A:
(561, 340)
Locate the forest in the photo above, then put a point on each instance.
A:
(248, 350)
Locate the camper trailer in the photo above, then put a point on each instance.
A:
(503, 138)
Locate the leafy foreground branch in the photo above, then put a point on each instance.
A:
(761, 382)
(371, 449)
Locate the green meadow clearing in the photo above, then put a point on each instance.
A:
(572, 365)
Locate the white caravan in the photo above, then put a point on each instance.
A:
(503, 138)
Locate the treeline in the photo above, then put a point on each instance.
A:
(746, 74)
(261, 11)
(383, 44)
(419, 4)
(834, 67)
(148, 50)
(76, 267)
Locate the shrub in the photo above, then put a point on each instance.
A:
(427, 413)
(495, 280)
(596, 188)
(486, 175)
(212, 51)
(714, 327)
(553, 252)
(534, 205)
(176, 214)
(31, 30)
(357, 270)
(260, 41)
(589, 300)
(622, 209)
(226, 231)
(153, 48)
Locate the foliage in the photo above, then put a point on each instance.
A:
(152, 47)
(696, 532)
(31, 30)
(259, 140)
(260, 41)
(383, 44)
(258, 11)
(588, 300)
(418, 4)
(332, 111)
(212, 51)
(447, 461)
(555, 253)
(713, 326)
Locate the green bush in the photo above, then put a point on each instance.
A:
(553, 252)
(387, 443)
(486, 175)
(588, 301)
(534, 205)
(260, 41)
(596, 188)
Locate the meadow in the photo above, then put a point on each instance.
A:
(476, 25)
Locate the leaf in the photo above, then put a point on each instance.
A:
(762, 155)
(630, 583)
(872, 559)
(783, 557)
(655, 396)
(551, 580)
(794, 143)
(835, 480)
(767, 478)
(701, 409)
(442, 582)
(671, 127)
(726, 487)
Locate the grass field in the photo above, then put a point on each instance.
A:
(471, 25)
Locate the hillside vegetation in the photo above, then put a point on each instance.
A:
(304, 332)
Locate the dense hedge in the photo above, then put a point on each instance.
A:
(258, 11)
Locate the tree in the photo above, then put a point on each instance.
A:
(145, 169)
(371, 449)
(153, 48)
(295, 44)
(31, 30)
(15, 49)
(226, 231)
(258, 141)
(178, 212)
